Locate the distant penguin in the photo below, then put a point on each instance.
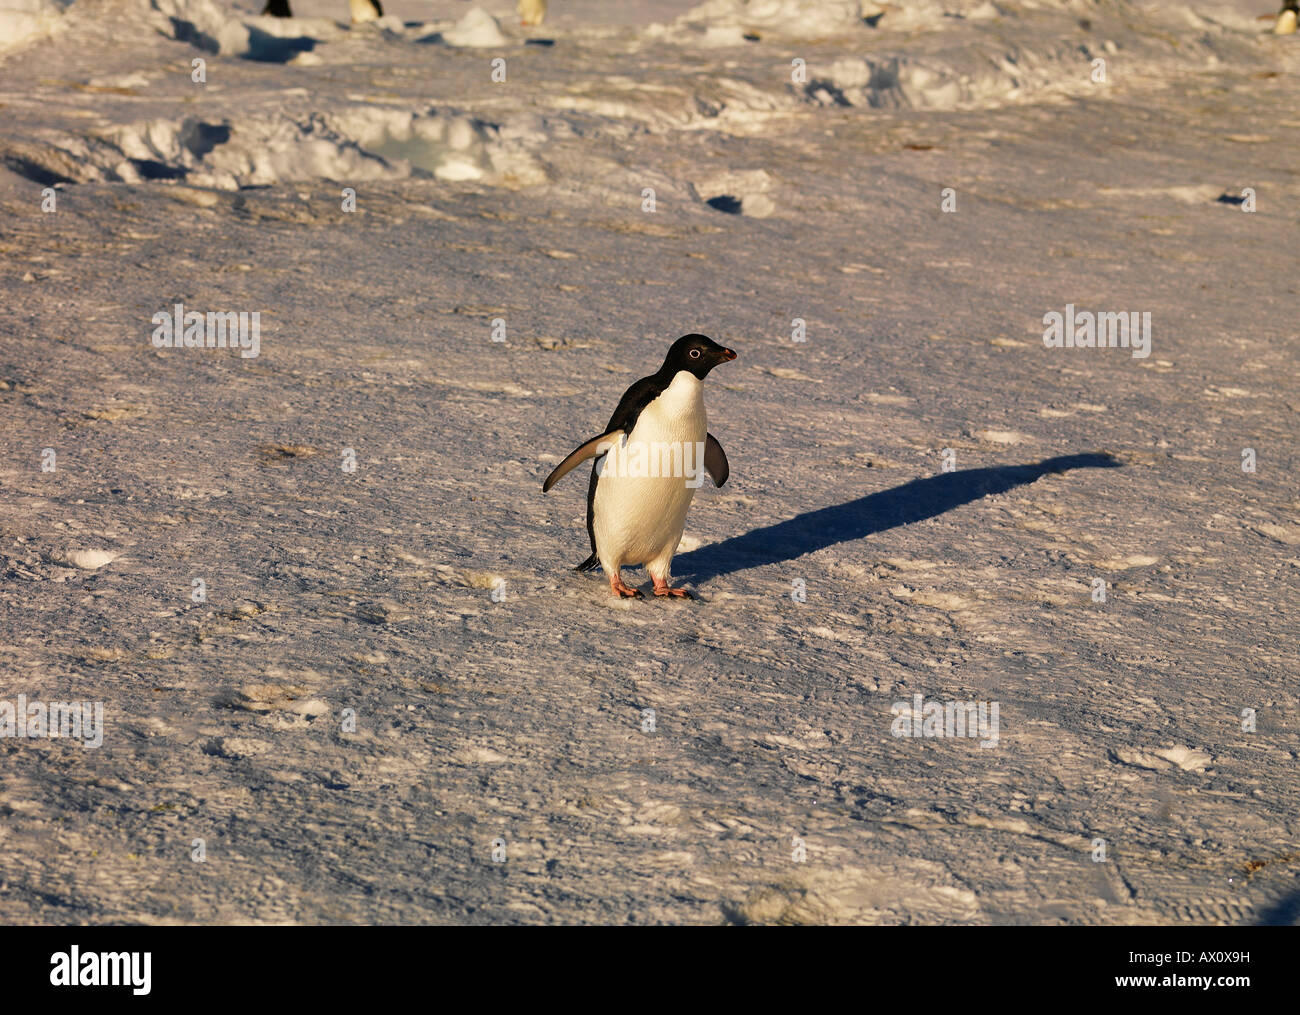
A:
(1287, 18)
(362, 10)
(365, 10)
(531, 12)
(652, 458)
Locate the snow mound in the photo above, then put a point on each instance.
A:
(965, 78)
(352, 145)
(812, 19)
(28, 20)
(477, 29)
(257, 151)
(212, 27)
(977, 56)
(743, 192)
(209, 27)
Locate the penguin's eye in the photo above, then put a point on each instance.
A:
(695, 354)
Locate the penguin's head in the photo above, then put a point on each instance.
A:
(697, 354)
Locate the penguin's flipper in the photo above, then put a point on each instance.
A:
(595, 446)
(634, 399)
(715, 460)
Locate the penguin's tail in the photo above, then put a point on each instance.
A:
(590, 564)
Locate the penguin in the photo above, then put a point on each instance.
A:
(1287, 18)
(650, 460)
(362, 10)
(531, 12)
(365, 10)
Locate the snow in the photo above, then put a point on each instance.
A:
(25, 20)
(391, 665)
(477, 29)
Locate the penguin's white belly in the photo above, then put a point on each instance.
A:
(647, 484)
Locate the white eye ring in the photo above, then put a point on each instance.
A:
(695, 354)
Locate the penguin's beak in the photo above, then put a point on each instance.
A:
(728, 354)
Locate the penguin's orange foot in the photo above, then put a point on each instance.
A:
(623, 591)
(662, 589)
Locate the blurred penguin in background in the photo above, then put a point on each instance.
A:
(1287, 18)
(531, 12)
(362, 10)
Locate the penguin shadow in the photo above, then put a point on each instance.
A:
(263, 47)
(841, 523)
(1285, 912)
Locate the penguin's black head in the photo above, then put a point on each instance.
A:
(697, 353)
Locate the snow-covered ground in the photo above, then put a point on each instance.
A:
(391, 671)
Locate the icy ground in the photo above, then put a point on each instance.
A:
(522, 720)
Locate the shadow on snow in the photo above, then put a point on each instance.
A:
(912, 502)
